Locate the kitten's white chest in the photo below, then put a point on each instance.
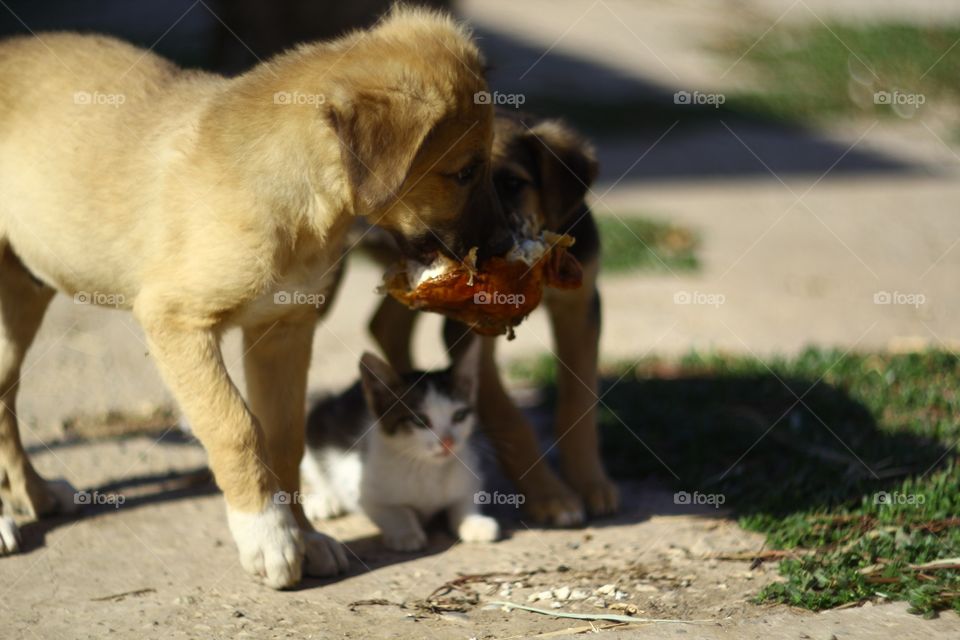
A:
(425, 488)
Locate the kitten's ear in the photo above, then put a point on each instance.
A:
(466, 370)
(379, 381)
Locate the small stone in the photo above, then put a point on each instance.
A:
(543, 595)
(605, 590)
(563, 593)
(555, 605)
(579, 594)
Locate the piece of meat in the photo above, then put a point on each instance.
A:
(496, 298)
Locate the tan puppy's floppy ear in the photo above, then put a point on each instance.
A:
(380, 132)
(567, 166)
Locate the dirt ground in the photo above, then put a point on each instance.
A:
(162, 564)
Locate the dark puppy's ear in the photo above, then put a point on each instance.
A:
(380, 383)
(466, 368)
(380, 132)
(567, 165)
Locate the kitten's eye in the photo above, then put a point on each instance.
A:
(421, 422)
(462, 414)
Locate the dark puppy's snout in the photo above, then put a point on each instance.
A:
(493, 232)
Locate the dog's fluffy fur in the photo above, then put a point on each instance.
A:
(192, 199)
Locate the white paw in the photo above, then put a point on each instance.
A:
(322, 506)
(270, 543)
(405, 540)
(65, 495)
(9, 536)
(325, 555)
(478, 528)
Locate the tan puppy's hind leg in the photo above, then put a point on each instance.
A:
(22, 304)
(276, 360)
(267, 535)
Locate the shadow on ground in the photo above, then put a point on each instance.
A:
(766, 443)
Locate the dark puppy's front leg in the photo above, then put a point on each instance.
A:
(575, 319)
(547, 499)
(392, 328)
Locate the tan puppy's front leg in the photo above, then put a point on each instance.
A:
(575, 318)
(276, 361)
(547, 498)
(189, 358)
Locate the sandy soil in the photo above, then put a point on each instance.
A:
(158, 562)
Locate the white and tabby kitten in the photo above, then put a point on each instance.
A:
(396, 447)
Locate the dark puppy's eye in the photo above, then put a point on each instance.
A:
(513, 184)
(462, 414)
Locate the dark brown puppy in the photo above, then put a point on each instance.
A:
(542, 171)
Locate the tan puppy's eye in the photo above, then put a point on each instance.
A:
(465, 175)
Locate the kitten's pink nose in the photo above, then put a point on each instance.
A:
(447, 442)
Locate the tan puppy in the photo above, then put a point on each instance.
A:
(193, 199)
(542, 171)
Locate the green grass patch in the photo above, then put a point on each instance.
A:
(629, 243)
(817, 71)
(859, 478)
